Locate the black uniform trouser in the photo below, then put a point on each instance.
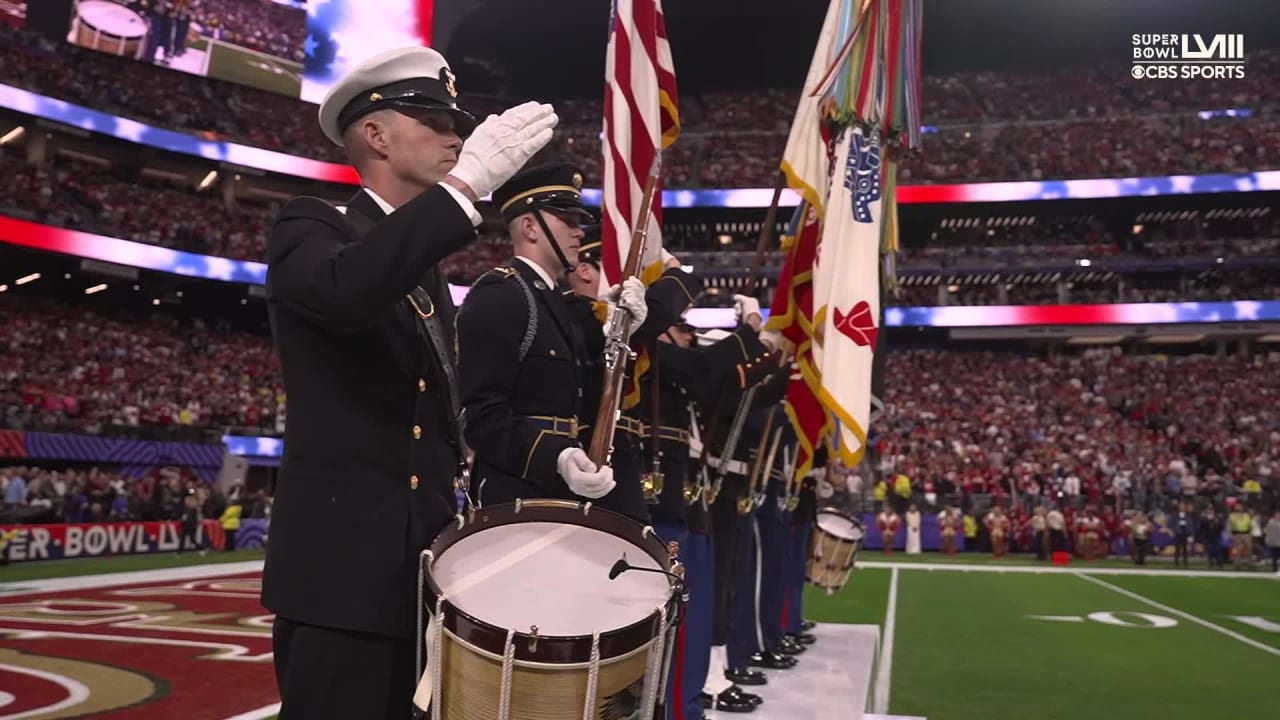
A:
(724, 541)
(325, 673)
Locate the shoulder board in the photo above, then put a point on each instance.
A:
(500, 272)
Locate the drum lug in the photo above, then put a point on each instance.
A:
(533, 638)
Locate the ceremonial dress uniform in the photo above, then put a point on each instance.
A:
(528, 350)
(362, 323)
(666, 300)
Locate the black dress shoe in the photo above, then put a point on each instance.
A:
(738, 692)
(745, 676)
(808, 625)
(728, 702)
(790, 647)
(804, 638)
(705, 700)
(773, 661)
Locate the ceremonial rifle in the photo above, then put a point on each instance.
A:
(617, 350)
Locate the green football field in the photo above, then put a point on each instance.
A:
(994, 643)
(972, 639)
(249, 67)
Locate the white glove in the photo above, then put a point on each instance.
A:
(631, 297)
(744, 307)
(771, 339)
(582, 476)
(502, 144)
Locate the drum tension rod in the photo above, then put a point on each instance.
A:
(533, 638)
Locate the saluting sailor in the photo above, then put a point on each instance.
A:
(363, 328)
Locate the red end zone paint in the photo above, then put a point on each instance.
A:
(174, 649)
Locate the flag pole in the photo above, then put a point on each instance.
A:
(766, 232)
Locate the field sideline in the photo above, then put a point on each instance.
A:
(963, 638)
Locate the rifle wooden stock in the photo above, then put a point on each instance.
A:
(617, 353)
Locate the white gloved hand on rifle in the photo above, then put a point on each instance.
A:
(502, 144)
(582, 476)
(631, 297)
(747, 310)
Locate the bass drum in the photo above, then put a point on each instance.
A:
(528, 619)
(832, 550)
(108, 27)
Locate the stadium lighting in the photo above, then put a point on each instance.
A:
(3, 288)
(95, 289)
(726, 239)
(13, 135)
(27, 279)
(1084, 262)
(208, 180)
(155, 301)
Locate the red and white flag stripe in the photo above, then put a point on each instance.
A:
(640, 119)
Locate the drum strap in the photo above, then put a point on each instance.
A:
(589, 711)
(508, 665)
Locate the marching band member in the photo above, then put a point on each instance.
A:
(998, 527)
(948, 526)
(887, 521)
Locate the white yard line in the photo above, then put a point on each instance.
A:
(262, 712)
(1185, 616)
(885, 672)
(1051, 570)
(86, 582)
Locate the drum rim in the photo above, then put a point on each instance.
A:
(109, 33)
(856, 522)
(553, 649)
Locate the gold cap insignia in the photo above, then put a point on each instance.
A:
(449, 83)
(375, 97)
(577, 180)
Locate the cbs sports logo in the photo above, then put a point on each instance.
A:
(1166, 56)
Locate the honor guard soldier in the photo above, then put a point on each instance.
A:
(684, 372)
(527, 349)
(730, 652)
(665, 302)
(804, 515)
(363, 326)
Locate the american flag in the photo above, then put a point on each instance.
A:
(640, 119)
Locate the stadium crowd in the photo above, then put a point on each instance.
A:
(118, 202)
(1100, 427)
(70, 369)
(984, 126)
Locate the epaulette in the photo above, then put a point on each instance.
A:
(502, 271)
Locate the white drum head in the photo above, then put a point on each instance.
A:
(839, 526)
(552, 575)
(112, 19)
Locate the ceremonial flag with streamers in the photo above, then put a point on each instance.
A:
(640, 120)
(859, 105)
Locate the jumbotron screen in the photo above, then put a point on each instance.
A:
(292, 47)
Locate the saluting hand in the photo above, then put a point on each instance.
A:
(502, 144)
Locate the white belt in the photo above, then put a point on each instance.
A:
(737, 467)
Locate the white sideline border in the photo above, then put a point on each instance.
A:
(262, 712)
(87, 582)
(884, 674)
(1054, 570)
(1184, 615)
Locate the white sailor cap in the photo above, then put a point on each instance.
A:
(405, 77)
